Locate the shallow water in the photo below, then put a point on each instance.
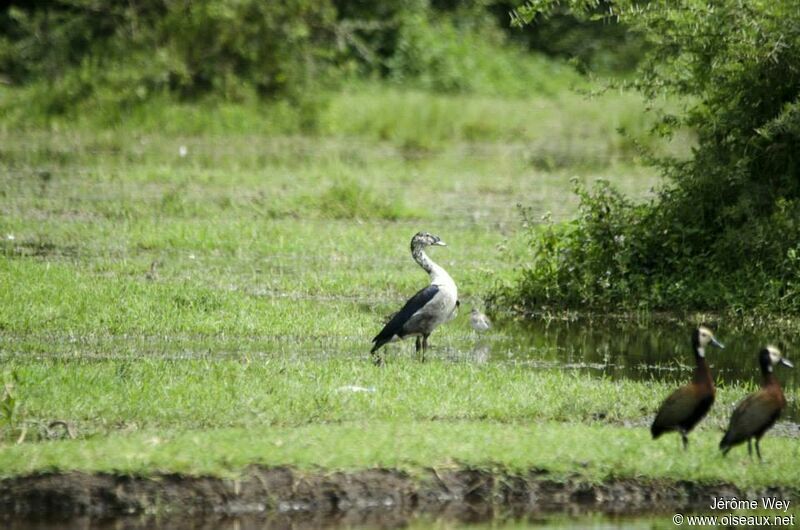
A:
(618, 350)
(373, 521)
(615, 349)
(621, 350)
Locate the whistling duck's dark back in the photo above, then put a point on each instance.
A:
(689, 404)
(760, 410)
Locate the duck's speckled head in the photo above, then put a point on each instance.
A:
(426, 239)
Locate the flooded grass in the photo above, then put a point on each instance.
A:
(200, 303)
(646, 351)
(371, 521)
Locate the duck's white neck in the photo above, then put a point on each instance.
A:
(438, 275)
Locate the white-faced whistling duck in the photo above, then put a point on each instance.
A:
(430, 307)
(760, 410)
(689, 404)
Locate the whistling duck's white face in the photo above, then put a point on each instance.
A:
(776, 357)
(705, 337)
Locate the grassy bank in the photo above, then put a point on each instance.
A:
(595, 452)
(251, 232)
(199, 301)
(210, 416)
(103, 396)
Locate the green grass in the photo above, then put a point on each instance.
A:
(599, 452)
(249, 390)
(217, 416)
(277, 256)
(254, 232)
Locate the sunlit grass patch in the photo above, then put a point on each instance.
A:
(332, 381)
(350, 199)
(204, 279)
(559, 450)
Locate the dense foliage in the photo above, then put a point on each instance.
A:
(79, 54)
(724, 232)
(593, 44)
(126, 52)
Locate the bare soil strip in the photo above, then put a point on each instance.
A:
(465, 494)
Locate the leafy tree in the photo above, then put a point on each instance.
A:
(596, 44)
(128, 50)
(81, 53)
(724, 231)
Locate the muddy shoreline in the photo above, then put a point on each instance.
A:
(351, 497)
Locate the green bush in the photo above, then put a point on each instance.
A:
(444, 54)
(575, 264)
(600, 45)
(105, 58)
(723, 233)
(79, 50)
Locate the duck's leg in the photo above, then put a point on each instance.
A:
(750, 448)
(685, 440)
(424, 346)
(758, 450)
(377, 359)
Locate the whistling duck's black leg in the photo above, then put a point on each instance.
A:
(424, 346)
(419, 344)
(685, 440)
(758, 450)
(750, 448)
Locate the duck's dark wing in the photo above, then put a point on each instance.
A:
(682, 409)
(754, 415)
(396, 326)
